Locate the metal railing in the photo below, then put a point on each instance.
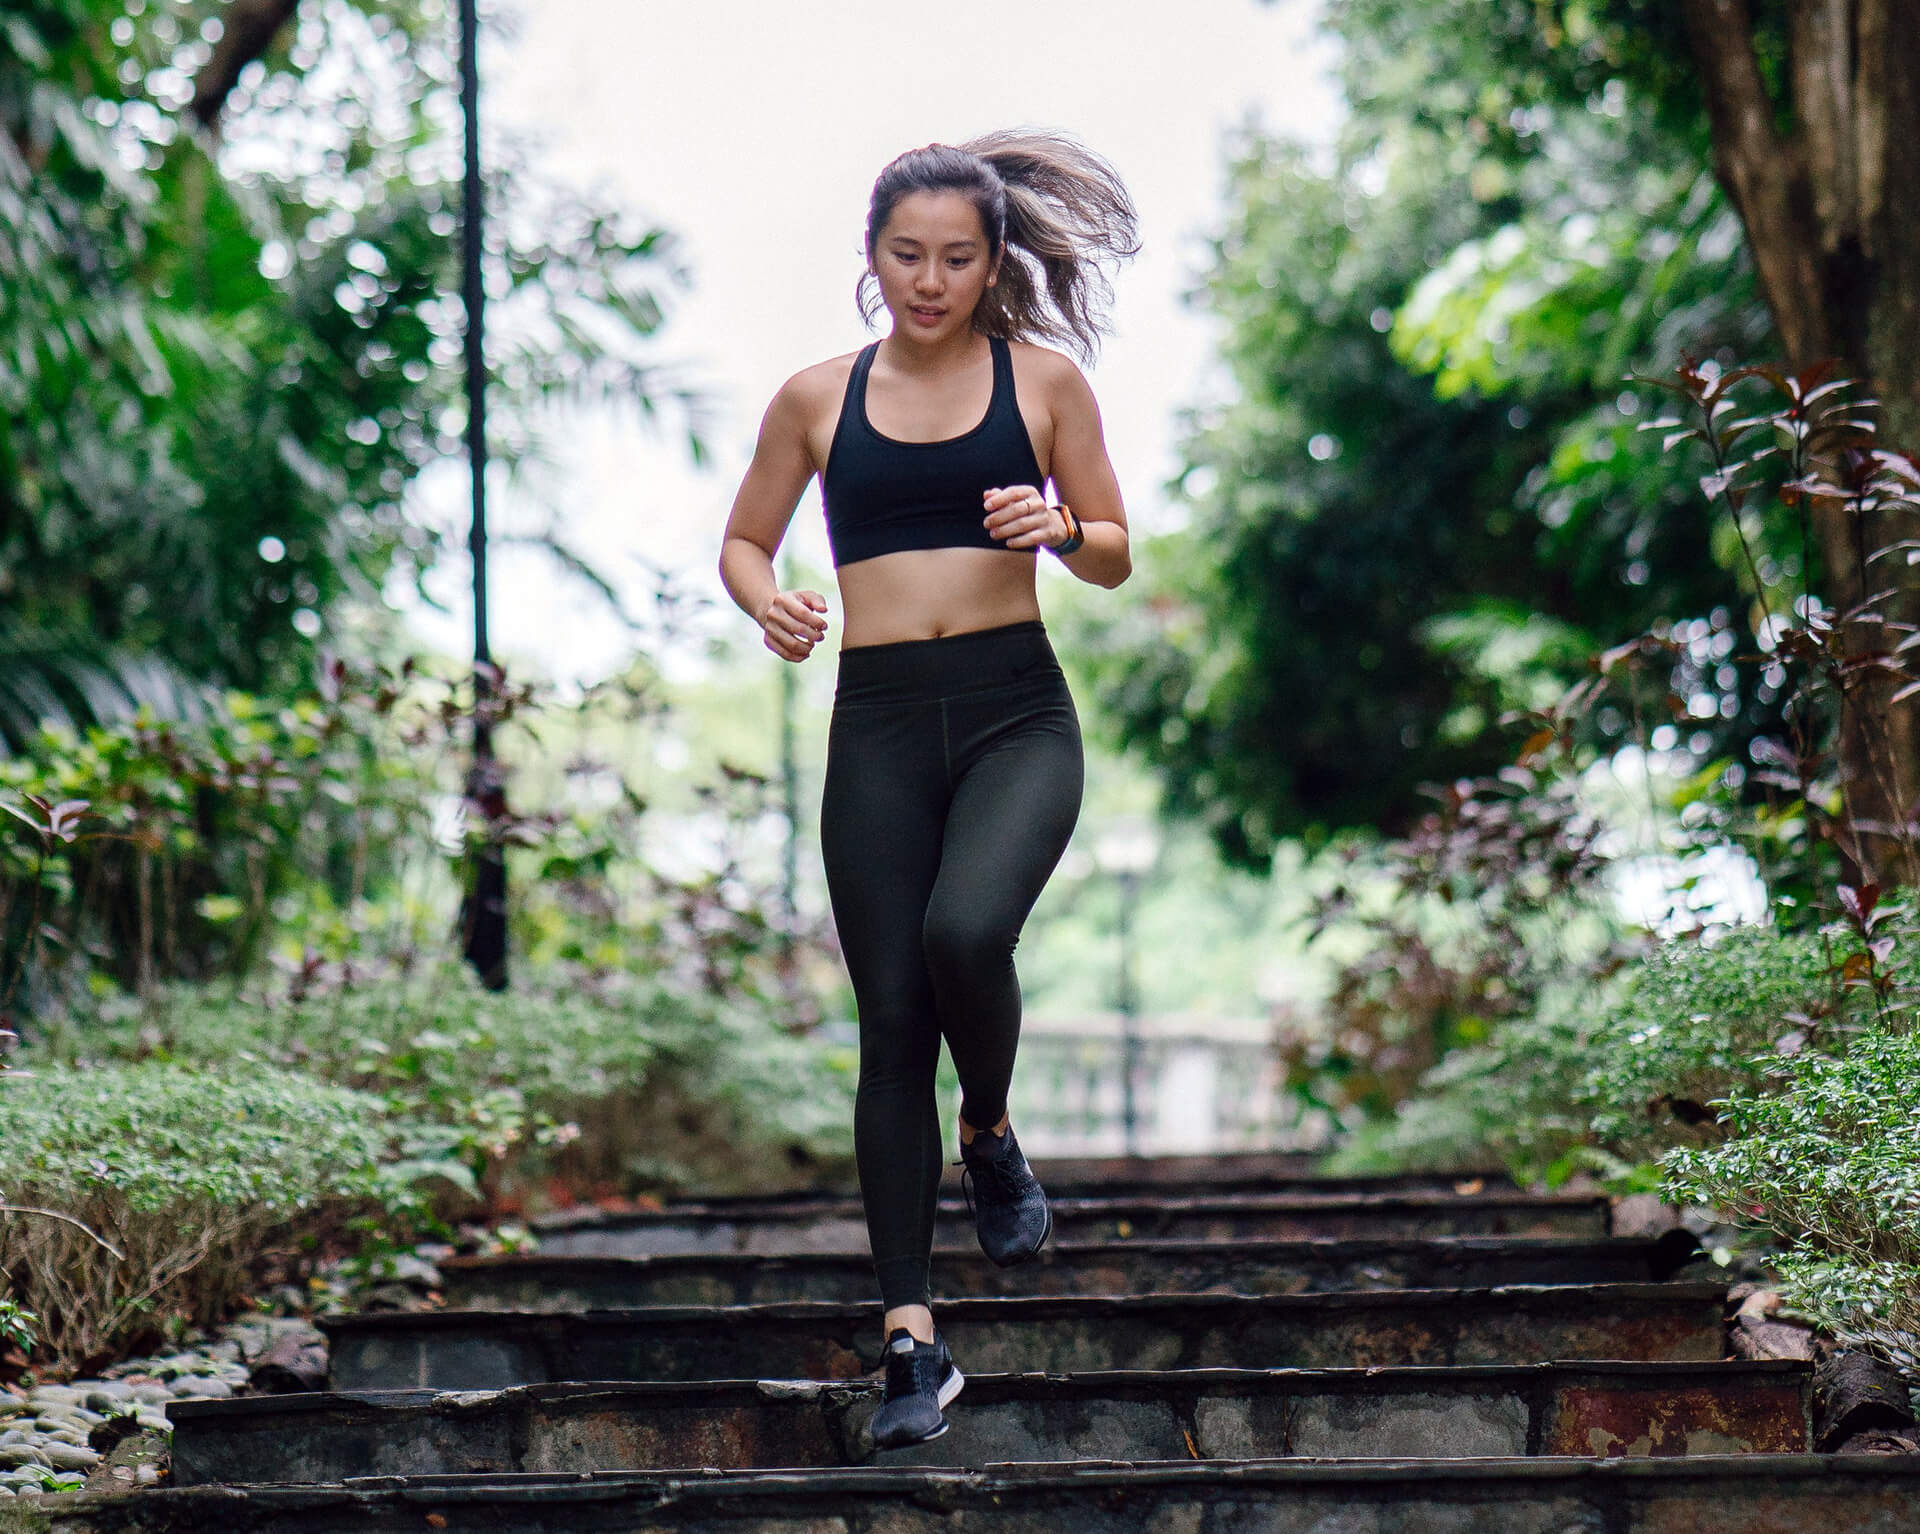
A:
(1201, 1084)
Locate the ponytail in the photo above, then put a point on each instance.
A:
(1054, 212)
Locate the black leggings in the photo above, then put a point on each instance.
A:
(953, 782)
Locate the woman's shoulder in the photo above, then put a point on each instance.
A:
(822, 380)
(1051, 373)
(813, 391)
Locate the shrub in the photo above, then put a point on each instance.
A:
(1761, 1075)
(1439, 935)
(601, 1079)
(1827, 1157)
(17, 1326)
(1608, 1074)
(185, 1174)
(152, 849)
(1693, 1024)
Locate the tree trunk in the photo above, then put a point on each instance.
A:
(1832, 214)
(250, 28)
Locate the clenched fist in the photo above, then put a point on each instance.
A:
(793, 623)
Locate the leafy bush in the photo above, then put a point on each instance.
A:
(1490, 898)
(1691, 1024)
(154, 849)
(1769, 1075)
(150, 1186)
(1607, 1074)
(607, 1080)
(1826, 1155)
(17, 1326)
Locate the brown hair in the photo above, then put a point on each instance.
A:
(1053, 211)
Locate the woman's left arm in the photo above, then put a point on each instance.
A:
(1082, 474)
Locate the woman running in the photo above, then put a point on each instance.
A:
(954, 766)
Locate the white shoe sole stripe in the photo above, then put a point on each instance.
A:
(951, 1388)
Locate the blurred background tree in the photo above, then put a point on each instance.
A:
(1427, 503)
(1805, 113)
(230, 334)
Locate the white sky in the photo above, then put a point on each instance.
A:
(754, 130)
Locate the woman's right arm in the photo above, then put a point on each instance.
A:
(791, 622)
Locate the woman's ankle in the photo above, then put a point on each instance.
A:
(967, 1131)
(917, 1319)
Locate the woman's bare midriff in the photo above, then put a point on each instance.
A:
(925, 593)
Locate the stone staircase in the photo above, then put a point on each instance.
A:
(1221, 1347)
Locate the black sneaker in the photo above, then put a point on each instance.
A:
(921, 1379)
(1010, 1211)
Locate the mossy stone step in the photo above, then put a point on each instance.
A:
(488, 1350)
(1558, 1408)
(1750, 1494)
(558, 1283)
(774, 1227)
(1230, 1172)
(1183, 1176)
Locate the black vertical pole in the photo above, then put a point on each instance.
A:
(483, 916)
(1129, 1000)
(790, 809)
(790, 806)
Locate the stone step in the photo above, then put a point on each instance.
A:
(1227, 1170)
(556, 1283)
(1217, 1169)
(775, 1227)
(1553, 1408)
(488, 1350)
(1232, 1172)
(1750, 1494)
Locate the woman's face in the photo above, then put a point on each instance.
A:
(931, 260)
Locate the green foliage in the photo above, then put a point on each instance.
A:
(1767, 1071)
(1778, 446)
(155, 1136)
(1607, 1074)
(303, 837)
(665, 1062)
(1273, 673)
(1430, 442)
(224, 359)
(1691, 1025)
(603, 888)
(60, 680)
(1487, 903)
(1768, 1074)
(1484, 69)
(1523, 657)
(1438, 1130)
(612, 1079)
(1825, 1153)
(175, 1177)
(17, 1326)
(179, 842)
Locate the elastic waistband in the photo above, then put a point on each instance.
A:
(924, 670)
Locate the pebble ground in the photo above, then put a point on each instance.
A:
(44, 1428)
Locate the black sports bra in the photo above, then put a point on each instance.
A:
(883, 495)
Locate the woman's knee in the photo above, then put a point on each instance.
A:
(963, 943)
(900, 1056)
